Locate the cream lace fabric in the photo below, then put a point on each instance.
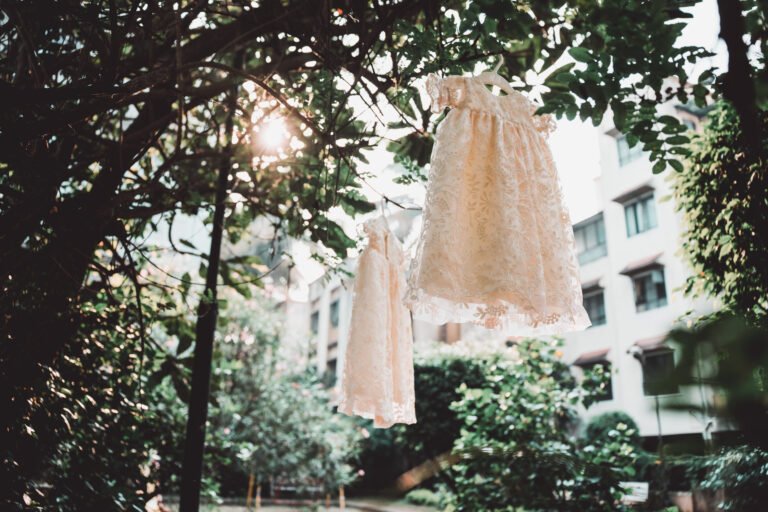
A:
(497, 246)
(377, 378)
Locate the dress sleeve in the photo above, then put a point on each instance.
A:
(544, 123)
(444, 92)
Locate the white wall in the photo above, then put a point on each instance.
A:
(625, 325)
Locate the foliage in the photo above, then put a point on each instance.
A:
(262, 418)
(731, 357)
(721, 195)
(517, 442)
(596, 382)
(598, 428)
(389, 453)
(380, 460)
(122, 422)
(92, 420)
(113, 130)
(424, 497)
(742, 473)
(436, 382)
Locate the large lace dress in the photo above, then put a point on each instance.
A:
(377, 377)
(497, 245)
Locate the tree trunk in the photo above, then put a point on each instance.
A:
(739, 86)
(207, 313)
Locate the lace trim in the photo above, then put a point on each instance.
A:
(442, 92)
(503, 316)
(384, 414)
(544, 123)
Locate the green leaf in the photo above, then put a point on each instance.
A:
(659, 166)
(676, 165)
(677, 139)
(187, 243)
(580, 54)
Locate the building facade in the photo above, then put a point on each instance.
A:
(633, 277)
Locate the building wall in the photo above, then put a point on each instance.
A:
(625, 325)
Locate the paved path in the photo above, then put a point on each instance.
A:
(366, 504)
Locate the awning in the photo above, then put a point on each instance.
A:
(642, 265)
(588, 358)
(654, 344)
(633, 193)
(590, 286)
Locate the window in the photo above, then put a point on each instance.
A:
(590, 239)
(650, 291)
(627, 154)
(329, 376)
(314, 322)
(594, 303)
(657, 373)
(640, 215)
(335, 313)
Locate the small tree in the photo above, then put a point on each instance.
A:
(598, 429)
(517, 445)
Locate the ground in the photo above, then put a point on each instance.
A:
(368, 505)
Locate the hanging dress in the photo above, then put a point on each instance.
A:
(497, 245)
(377, 376)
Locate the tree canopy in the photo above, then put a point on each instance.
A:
(113, 124)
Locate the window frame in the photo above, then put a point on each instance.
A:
(590, 293)
(626, 154)
(656, 386)
(333, 313)
(314, 323)
(659, 301)
(650, 221)
(582, 230)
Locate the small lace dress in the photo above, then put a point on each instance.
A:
(497, 245)
(377, 376)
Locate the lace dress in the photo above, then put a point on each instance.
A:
(496, 246)
(377, 377)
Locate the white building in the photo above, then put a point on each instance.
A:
(633, 276)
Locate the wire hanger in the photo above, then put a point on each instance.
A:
(384, 202)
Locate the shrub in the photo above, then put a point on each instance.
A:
(436, 382)
(423, 497)
(515, 445)
(598, 428)
(743, 474)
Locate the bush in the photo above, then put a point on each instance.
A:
(517, 449)
(436, 382)
(598, 428)
(387, 453)
(423, 497)
(743, 474)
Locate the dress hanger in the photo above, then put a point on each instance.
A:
(384, 202)
(497, 67)
(492, 77)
